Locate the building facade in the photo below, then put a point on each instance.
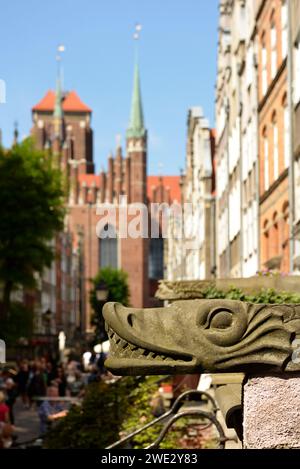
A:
(274, 134)
(257, 148)
(191, 240)
(236, 142)
(62, 124)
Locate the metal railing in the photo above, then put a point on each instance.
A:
(173, 415)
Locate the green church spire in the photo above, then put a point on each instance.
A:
(58, 111)
(136, 127)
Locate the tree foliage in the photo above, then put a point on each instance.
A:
(97, 422)
(116, 281)
(117, 285)
(19, 324)
(108, 411)
(31, 212)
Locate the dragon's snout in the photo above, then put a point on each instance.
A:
(138, 345)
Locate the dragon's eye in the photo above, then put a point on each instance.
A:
(221, 319)
(223, 322)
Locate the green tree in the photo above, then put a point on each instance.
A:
(116, 283)
(31, 212)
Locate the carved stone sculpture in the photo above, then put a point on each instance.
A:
(202, 335)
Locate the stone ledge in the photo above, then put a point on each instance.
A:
(193, 289)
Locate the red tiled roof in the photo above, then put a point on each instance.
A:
(71, 103)
(47, 103)
(74, 103)
(170, 182)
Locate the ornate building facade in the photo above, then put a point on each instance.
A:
(257, 122)
(191, 240)
(236, 142)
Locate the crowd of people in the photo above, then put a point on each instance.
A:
(44, 385)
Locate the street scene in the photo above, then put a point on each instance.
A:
(150, 225)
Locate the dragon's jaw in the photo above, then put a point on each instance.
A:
(136, 350)
(125, 356)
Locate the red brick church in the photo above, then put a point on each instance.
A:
(62, 125)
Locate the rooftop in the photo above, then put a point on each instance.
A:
(70, 103)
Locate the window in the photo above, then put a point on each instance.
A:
(284, 29)
(273, 51)
(266, 160)
(275, 147)
(245, 244)
(297, 72)
(266, 244)
(275, 237)
(286, 124)
(264, 77)
(156, 259)
(250, 230)
(254, 227)
(108, 248)
(285, 227)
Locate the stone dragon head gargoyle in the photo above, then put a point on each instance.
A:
(193, 336)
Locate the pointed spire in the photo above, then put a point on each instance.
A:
(136, 127)
(58, 110)
(16, 133)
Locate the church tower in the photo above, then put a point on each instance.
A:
(134, 252)
(136, 137)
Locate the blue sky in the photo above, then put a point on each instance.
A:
(177, 63)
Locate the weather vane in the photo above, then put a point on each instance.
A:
(60, 48)
(136, 37)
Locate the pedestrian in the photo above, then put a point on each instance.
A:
(50, 373)
(100, 362)
(75, 384)
(50, 410)
(38, 383)
(4, 409)
(22, 379)
(11, 396)
(61, 381)
(93, 376)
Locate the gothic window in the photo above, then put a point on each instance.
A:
(284, 28)
(296, 81)
(266, 159)
(265, 241)
(264, 62)
(275, 236)
(286, 125)
(108, 248)
(156, 258)
(275, 146)
(273, 50)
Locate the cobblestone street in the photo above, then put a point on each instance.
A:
(26, 423)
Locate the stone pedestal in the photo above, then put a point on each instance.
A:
(271, 407)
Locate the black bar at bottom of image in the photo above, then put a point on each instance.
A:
(134, 458)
